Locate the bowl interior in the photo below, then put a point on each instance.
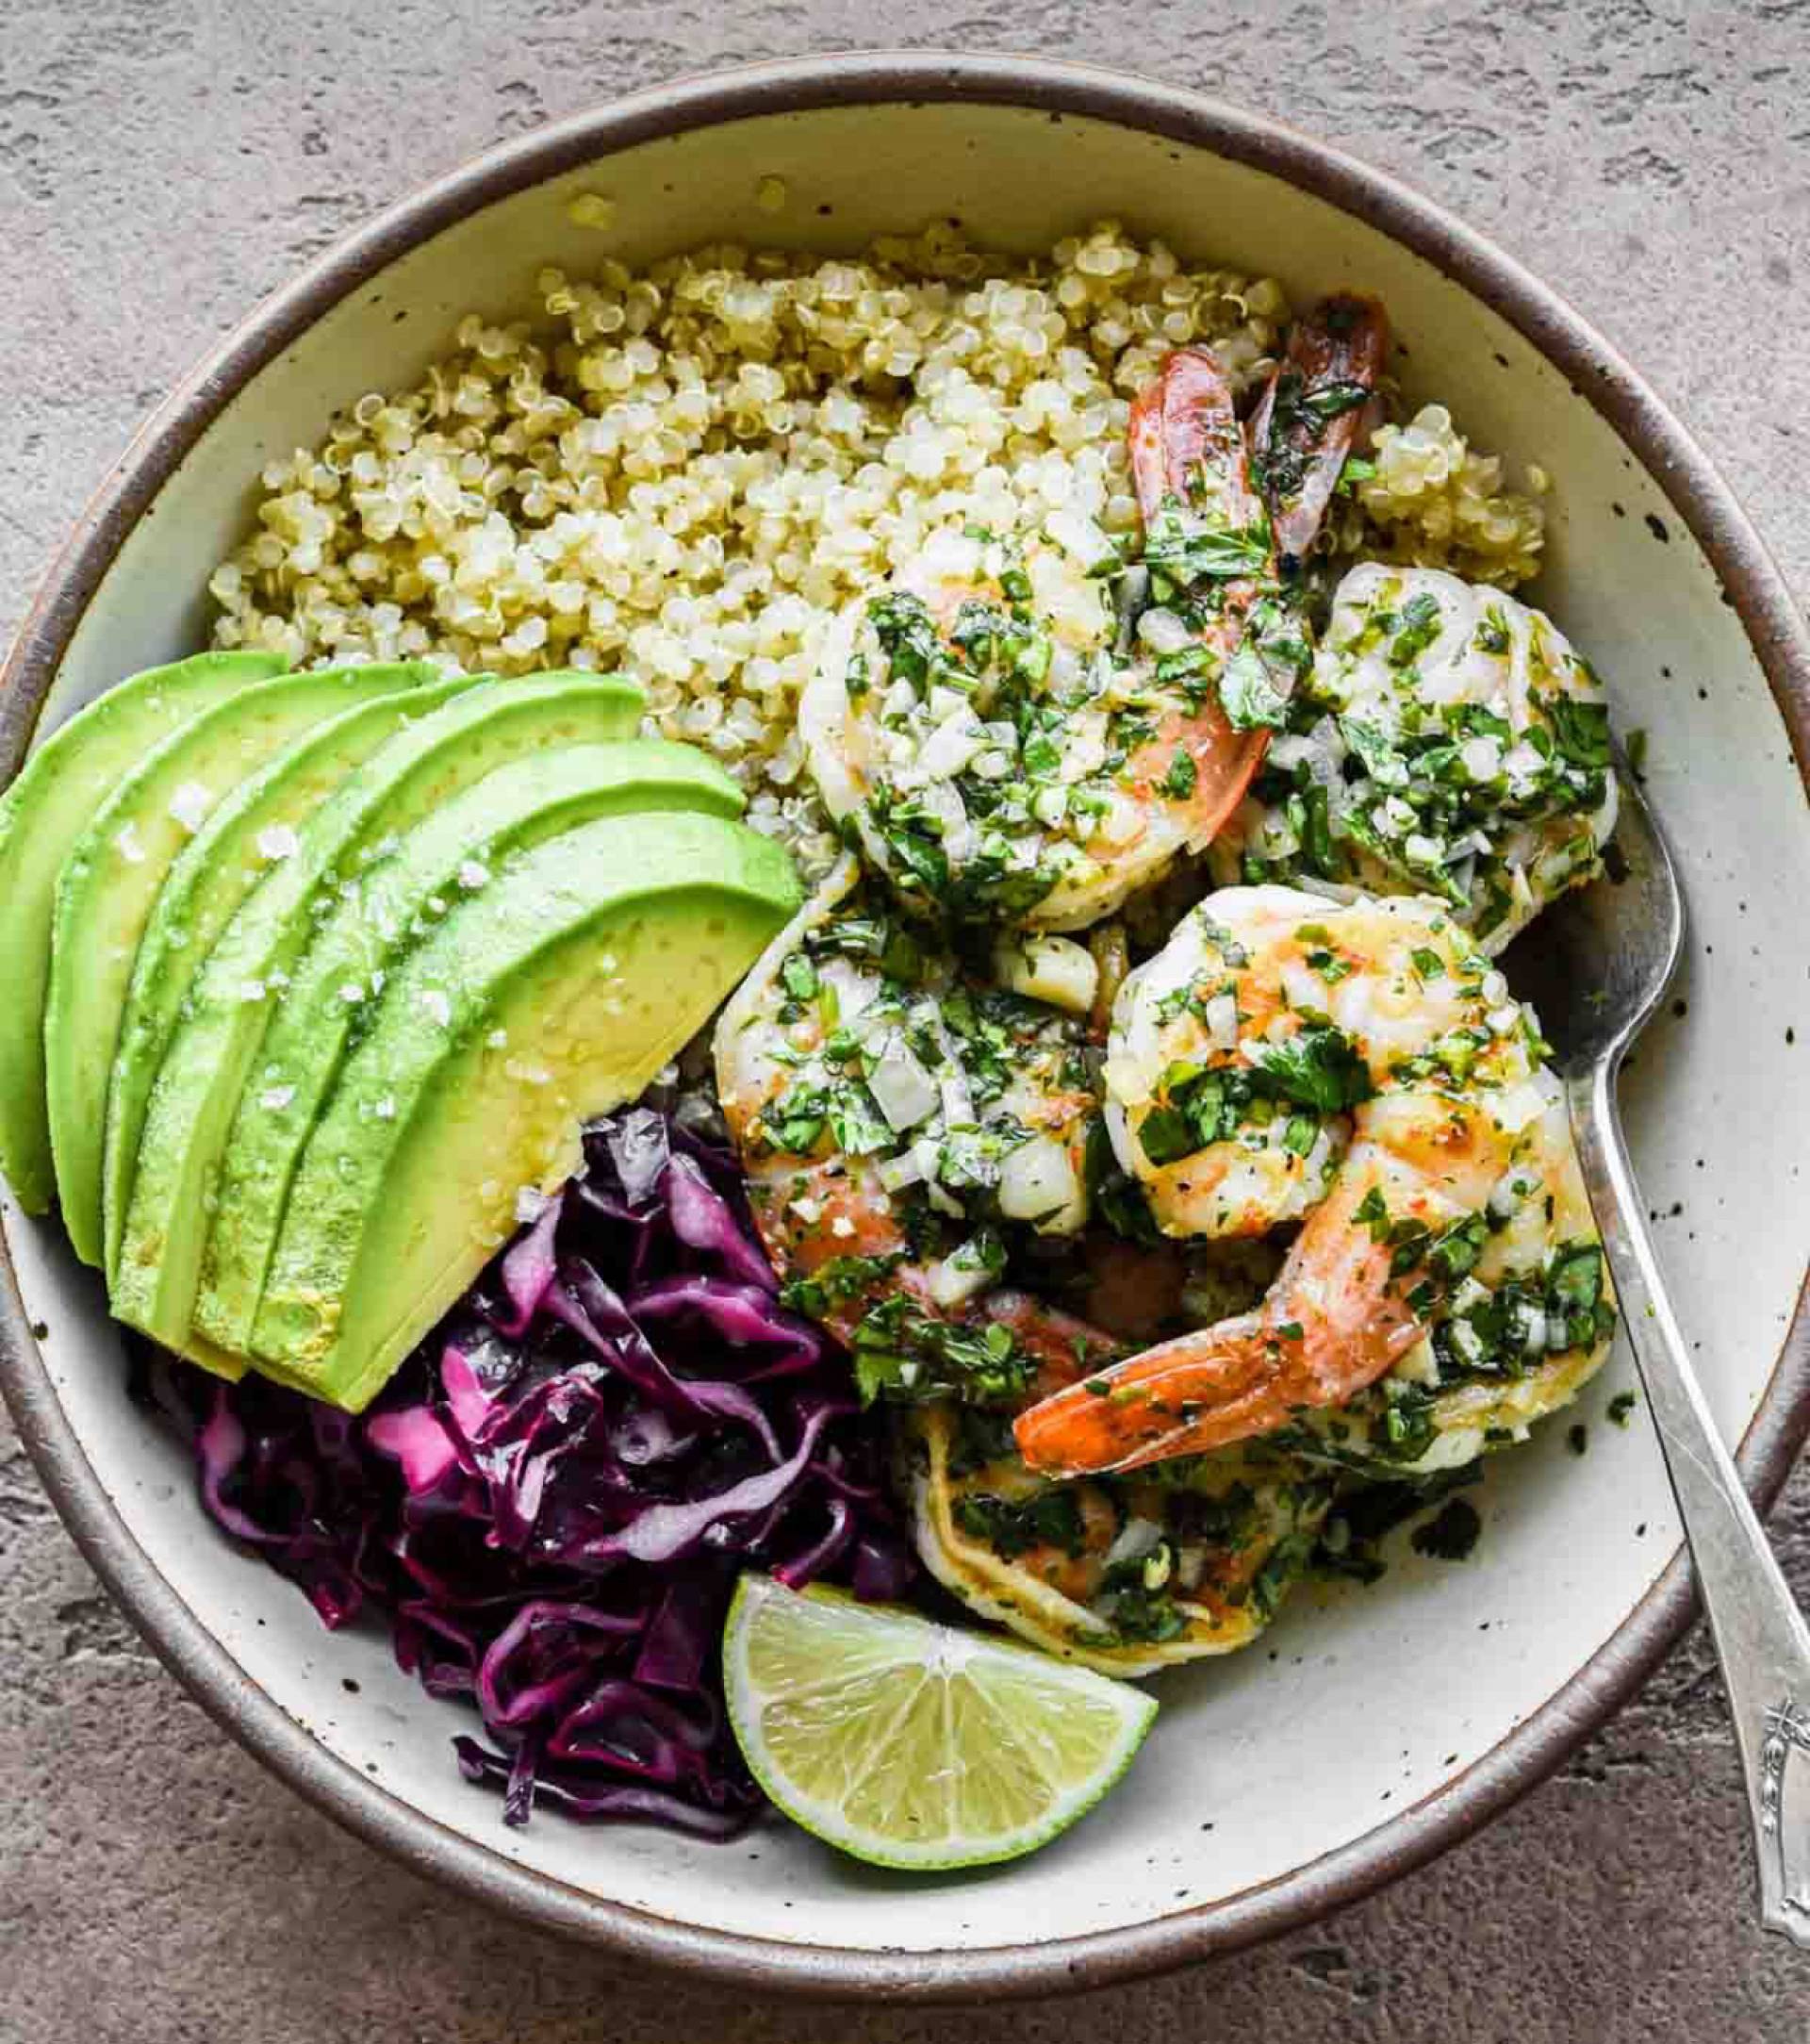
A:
(1361, 1701)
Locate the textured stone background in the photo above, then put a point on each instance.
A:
(163, 162)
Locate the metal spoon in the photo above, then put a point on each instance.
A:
(1596, 973)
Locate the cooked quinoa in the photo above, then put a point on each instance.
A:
(687, 472)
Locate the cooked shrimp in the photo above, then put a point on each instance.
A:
(1517, 1339)
(1240, 1051)
(1123, 1575)
(1028, 730)
(1449, 740)
(1376, 1014)
(889, 1113)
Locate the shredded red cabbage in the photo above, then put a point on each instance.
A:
(550, 1502)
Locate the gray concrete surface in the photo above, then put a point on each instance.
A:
(164, 161)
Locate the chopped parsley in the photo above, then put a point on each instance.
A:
(798, 977)
(1248, 696)
(1580, 730)
(903, 1351)
(907, 632)
(1318, 1070)
(1010, 1527)
(1417, 626)
(1319, 1066)
(1185, 547)
(841, 1280)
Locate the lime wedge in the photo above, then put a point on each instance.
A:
(911, 1744)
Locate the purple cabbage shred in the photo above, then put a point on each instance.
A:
(550, 1503)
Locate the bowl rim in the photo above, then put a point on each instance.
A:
(1596, 371)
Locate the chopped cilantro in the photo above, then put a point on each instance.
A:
(836, 1282)
(1144, 1615)
(1330, 966)
(1248, 696)
(1374, 747)
(1576, 1277)
(901, 1350)
(1319, 1067)
(1417, 625)
(798, 977)
(1492, 633)
(1167, 1135)
(1187, 547)
(1285, 1563)
(1052, 1518)
(907, 632)
(1580, 730)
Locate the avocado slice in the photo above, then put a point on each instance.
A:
(109, 884)
(548, 998)
(402, 900)
(41, 814)
(250, 830)
(213, 1053)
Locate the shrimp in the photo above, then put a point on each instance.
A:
(1125, 1575)
(1449, 740)
(1517, 1339)
(1376, 1028)
(1027, 729)
(1238, 1052)
(891, 1112)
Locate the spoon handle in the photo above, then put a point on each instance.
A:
(1761, 1638)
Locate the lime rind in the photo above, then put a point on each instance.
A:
(914, 1745)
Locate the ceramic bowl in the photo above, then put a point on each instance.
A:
(1375, 1725)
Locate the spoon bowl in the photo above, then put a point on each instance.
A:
(1597, 964)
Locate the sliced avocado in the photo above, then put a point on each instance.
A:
(249, 832)
(110, 883)
(213, 1052)
(46, 809)
(549, 997)
(401, 900)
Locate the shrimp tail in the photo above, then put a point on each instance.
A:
(1184, 1396)
(1186, 440)
(1336, 1319)
(1192, 466)
(1244, 1377)
(1321, 403)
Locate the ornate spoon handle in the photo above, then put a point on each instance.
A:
(1761, 1638)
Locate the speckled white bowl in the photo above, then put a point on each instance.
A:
(1375, 1725)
